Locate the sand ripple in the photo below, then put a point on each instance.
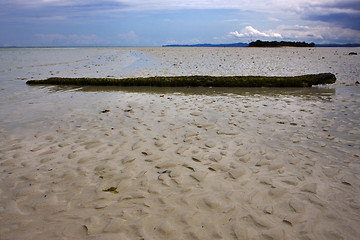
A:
(184, 167)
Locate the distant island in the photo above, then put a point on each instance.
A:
(209, 45)
(259, 43)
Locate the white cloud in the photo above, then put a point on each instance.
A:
(232, 20)
(250, 32)
(316, 14)
(50, 37)
(187, 42)
(319, 34)
(141, 5)
(129, 37)
(85, 39)
(301, 32)
(272, 19)
(76, 39)
(295, 8)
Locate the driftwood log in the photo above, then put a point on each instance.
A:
(194, 81)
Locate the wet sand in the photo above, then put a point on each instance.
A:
(197, 163)
(185, 166)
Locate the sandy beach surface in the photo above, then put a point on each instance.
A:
(183, 163)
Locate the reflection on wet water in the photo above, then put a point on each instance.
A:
(323, 92)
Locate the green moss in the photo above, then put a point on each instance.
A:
(194, 81)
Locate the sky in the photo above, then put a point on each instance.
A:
(160, 22)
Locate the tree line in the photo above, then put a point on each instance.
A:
(260, 43)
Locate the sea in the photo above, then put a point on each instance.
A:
(21, 104)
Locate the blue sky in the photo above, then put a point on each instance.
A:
(158, 22)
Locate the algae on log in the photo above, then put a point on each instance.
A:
(194, 81)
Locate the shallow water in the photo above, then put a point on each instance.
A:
(268, 163)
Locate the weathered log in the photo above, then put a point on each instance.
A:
(194, 81)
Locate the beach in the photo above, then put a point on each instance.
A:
(179, 163)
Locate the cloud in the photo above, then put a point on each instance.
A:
(141, 5)
(273, 19)
(319, 34)
(250, 32)
(36, 10)
(232, 20)
(149, 5)
(338, 19)
(187, 42)
(128, 38)
(316, 20)
(345, 13)
(300, 32)
(85, 39)
(50, 37)
(71, 39)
